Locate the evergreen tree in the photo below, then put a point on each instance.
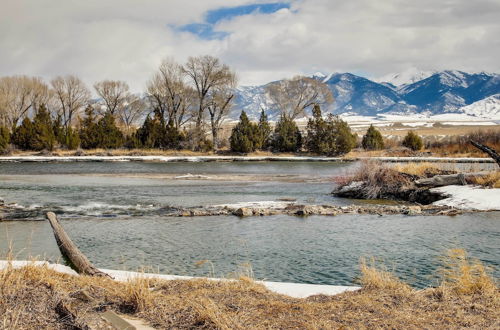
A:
(263, 132)
(413, 141)
(317, 133)
(89, 136)
(373, 140)
(149, 134)
(68, 138)
(330, 137)
(244, 135)
(43, 135)
(109, 135)
(4, 138)
(345, 139)
(171, 137)
(286, 137)
(23, 135)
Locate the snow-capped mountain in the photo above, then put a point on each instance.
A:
(437, 93)
(407, 77)
(486, 108)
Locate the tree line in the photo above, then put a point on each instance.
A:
(182, 107)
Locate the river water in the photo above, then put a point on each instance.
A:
(115, 213)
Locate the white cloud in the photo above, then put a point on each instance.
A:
(126, 39)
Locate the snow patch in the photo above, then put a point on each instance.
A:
(469, 197)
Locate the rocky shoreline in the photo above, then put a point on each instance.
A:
(7, 212)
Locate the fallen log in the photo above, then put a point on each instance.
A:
(442, 180)
(492, 153)
(69, 250)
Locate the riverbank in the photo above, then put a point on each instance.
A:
(216, 158)
(40, 297)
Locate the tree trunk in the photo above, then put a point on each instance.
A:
(69, 250)
(492, 153)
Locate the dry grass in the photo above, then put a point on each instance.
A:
(419, 169)
(379, 180)
(36, 297)
(490, 180)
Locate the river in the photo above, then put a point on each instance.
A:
(115, 212)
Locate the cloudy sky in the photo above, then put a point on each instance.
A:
(261, 40)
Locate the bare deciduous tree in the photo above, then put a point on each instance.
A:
(169, 95)
(72, 95)
(206, 74)
(131, 110)
(19, 94)
(113, 94)
(219, 105)
(294, 96)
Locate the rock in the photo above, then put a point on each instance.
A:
(412, 210)
(243, 212)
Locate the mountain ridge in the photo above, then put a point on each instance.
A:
(448, 91)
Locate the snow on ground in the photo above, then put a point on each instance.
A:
(261, 204)
(42, 159)
(469, 197)
(295, 290)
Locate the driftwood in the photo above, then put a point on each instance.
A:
(492, 153)
(443, 180)
(69, 250)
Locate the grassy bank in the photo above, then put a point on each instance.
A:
(36, 297)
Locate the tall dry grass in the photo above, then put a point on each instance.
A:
(39, 298)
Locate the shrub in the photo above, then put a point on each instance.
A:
(245, 136)
(286, 137)
(373, 140)
(413, 141)
(328, 137)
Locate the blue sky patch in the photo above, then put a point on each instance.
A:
(206, 31)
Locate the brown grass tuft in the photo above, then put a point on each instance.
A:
(466, 276)
(379, 278)
(491, 180)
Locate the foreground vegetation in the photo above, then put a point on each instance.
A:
(36, 297)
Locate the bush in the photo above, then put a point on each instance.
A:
(328, 137)
(4, 139)
(245, 136)
(373, 140)
(286, 137)
(413, 141)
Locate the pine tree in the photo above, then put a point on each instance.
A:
(4, 138)
(413, 141)
(88, 131)
(287, 136)
(23, 135)
(316, 133)
(373, 140)
(43, 134)
(330, 137)
(244, 135)
(109, 135)
(263, 132)
(149, 134)
(344, 138)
